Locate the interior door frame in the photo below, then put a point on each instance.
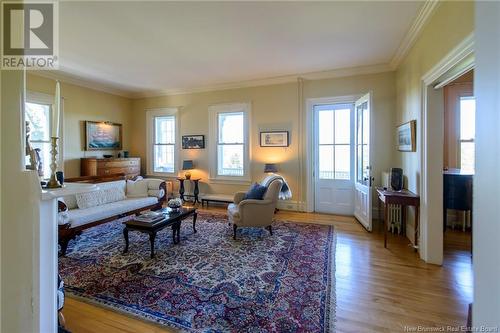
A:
(457, 62)
(310, 103)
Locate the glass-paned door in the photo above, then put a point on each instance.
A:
(363, 177)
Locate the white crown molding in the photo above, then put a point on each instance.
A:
(460, 52)
(86, 83)
(413, 33)
(320, 75)
(70, 78)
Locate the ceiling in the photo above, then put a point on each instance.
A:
(142, 48)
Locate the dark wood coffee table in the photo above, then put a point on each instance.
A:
(172, 219)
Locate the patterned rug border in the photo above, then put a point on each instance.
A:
(330, 315)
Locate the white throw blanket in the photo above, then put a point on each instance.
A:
(285, 192)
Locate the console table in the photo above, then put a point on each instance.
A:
(196, 190)
(404, 198)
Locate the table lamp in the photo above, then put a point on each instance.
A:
(270, 168)
(187, 165)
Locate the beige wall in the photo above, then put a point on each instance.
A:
(449, 25)
(274, 107)
(82, 104)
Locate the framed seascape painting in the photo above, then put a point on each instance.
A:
(406, 136)
(193, 142)
(101, 135)
(274, 139)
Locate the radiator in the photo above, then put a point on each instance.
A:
(394, 216)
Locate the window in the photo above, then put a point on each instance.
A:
(467, 132)
(38, 112)
(229, 125)
(334, 141)
(162, 133)
(230, 144)
(38, 116)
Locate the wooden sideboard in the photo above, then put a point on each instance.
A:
(131, 167)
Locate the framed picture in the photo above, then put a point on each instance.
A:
(406, 136)
(274, 139)
(193, 142)
(100, 135)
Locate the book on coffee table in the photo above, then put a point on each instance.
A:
(150, 217)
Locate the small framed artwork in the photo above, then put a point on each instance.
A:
(103, 135)
(193, 142)
(274, 139)
(406, 136)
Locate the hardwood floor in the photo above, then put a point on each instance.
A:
(378, 290)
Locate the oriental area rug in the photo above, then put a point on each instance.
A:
(210, 282)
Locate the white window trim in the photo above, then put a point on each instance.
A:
(150, 115)
(213, 112)
(41, 98)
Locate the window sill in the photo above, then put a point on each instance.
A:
(162, 174)
(240, 181)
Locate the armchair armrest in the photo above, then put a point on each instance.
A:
(238, 197)
(247, 202)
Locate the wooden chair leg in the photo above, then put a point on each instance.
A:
(234, 231)
(270, 228)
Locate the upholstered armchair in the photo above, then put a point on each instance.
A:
(255, 213)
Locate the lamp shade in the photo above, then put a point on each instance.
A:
(270, 168)
(187, 165)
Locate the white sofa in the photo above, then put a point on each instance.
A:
(111, 200)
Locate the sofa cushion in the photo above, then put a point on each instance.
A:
(70, 201)
(116, 184)
(256, 191)
(109, 195)
(156, 193)
(99, 197)
(87, 199)
(78, 217)
(137, 189)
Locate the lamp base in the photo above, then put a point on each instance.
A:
(53, 182)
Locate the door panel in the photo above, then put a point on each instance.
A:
(334, 158)
(363, 177)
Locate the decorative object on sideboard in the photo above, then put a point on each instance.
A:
(103, 135)
(187, 165)
(270, 168)
(274, 139)
(193, 142)
(53, 182)
(396, 179)
(125, 153)
(406, 136)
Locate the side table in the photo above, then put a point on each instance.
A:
(196, 190)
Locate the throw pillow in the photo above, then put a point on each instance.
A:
(87, 199)
(137, 189)
(156, 193)
(70, 201)
(256, 191)
(111, 195)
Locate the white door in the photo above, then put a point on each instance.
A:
(363, 178)
(334, 158)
